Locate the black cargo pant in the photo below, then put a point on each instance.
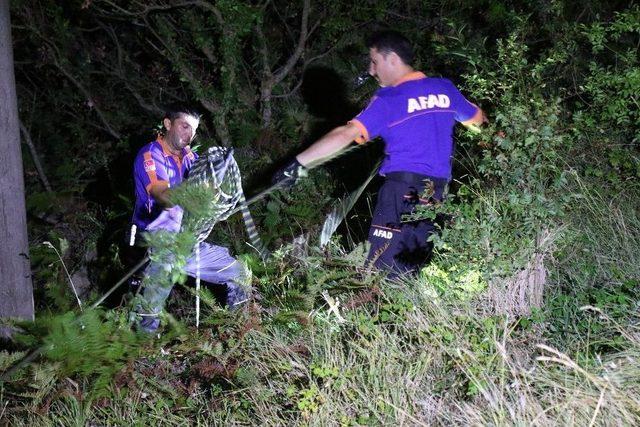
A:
(401, 247)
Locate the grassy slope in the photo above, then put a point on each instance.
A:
(404, 354)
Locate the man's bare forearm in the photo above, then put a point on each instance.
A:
(336, 140)
(160, 194)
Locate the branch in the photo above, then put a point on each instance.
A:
(56, 61)
(119, 72)
(152, 108)
(211, 106)
(89, 99)
(215, 108)
(316, 58)
(109, 30)
(146, 9)
(211, 8)
(264, 53)
(293, 59)
(209, 54)
(284, 22)
(291, 92)
(36, 158)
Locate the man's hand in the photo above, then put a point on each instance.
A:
(289, 175)
(475, 123)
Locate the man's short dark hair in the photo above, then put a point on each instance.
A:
(388, 41)
(174, 111)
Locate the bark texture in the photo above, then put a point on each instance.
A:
(16, 289)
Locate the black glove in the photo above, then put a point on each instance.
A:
(289, 175)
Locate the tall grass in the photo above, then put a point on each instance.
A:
(606, 234)
(405, 356)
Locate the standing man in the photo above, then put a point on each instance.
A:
(415, 116)
(160, 166)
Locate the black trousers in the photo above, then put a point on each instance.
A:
(401, 247)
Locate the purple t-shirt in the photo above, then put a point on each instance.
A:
(155, 164)
(416, 120)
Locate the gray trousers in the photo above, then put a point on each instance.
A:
(215, 265)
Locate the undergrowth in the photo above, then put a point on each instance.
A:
(325, 341)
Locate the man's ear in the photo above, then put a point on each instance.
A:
(394, 59)
(167, 124)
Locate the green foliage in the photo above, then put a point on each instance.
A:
(397, 350)
(567, 317)
(597, 267)
(607, 114)
(47, 260)
(42, 202)
(309, 401)
(291, 213)
(471, 351)
(515, 188)
(7, 359)
(171, 250)
(560, 155)
(94, 346)
(457, 282)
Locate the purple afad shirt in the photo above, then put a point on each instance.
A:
(416, 119)
(155, 164)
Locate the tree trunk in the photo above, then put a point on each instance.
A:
(16, 289)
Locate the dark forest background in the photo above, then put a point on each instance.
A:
(544, 213)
